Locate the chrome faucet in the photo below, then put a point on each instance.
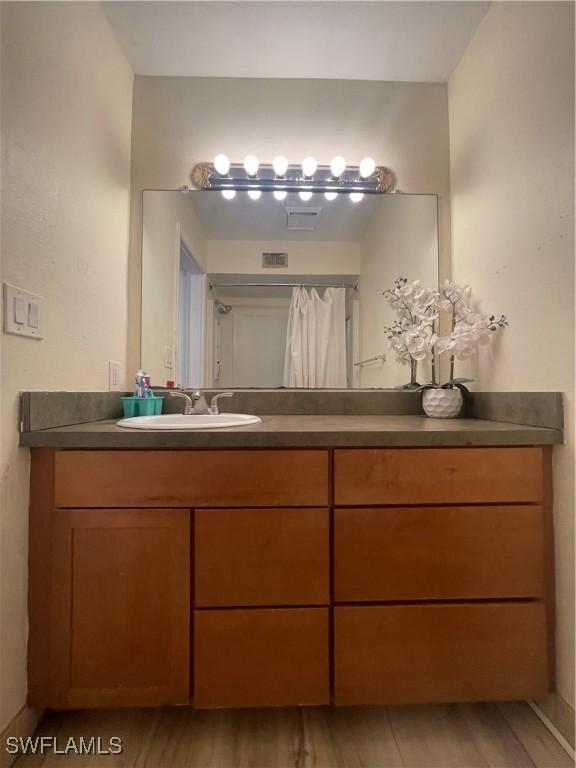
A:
(194, 405)
(213, 407)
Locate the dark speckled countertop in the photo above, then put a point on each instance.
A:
(299, 431)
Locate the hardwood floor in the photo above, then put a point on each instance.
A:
(455, 736)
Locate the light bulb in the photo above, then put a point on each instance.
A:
(222, 165)
(330, 195)
(280, 165)
(254, 194)
(367, 167)
(309, 166)
(251, 165)
(337, 166)
(356, 196)
(229, 194)
(305, 196)
(280, 194)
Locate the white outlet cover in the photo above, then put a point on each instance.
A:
(169, 358)
(114, 376)
(22, 312)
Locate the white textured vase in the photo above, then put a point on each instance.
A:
(442, 403)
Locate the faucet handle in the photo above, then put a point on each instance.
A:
(214, 401)
(187, 401)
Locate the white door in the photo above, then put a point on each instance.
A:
(191, 316)
(252, 346)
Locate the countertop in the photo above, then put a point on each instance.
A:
(302, 432)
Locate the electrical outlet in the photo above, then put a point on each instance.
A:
(169, 358)
(114, 376)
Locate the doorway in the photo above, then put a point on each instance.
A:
(191, 313)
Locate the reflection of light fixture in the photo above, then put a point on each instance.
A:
(281, 177)
(229, 194)
(337, 166)
(280, 165)
(251, 165)
(367, 167)
(222, 164)
(356, 196)
(254, 194)
(305, 196)
(309, 166)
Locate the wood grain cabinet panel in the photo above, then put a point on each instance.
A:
(437, 476)
(257, 557)
(169, 478)
(121, 611)
(261, 657)
(432, 553)
(439, 653)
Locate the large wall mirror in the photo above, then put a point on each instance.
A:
(274, 293)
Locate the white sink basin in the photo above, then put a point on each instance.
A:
(179, 421)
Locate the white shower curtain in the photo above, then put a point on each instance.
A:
(316, 339)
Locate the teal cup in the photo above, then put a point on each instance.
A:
(141, 406)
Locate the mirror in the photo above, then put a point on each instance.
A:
(268, 293)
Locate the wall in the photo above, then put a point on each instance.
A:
(167, 218)
(304, 257)
(511, 103)
(66, 170)
(178, 122)
(402, 242)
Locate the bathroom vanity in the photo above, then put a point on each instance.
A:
(273, 575)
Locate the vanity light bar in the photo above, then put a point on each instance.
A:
(250, 176)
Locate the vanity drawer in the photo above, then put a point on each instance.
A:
(261, 657)
(188, 478)
(435, 553)
(261, 557)
(439, 653)
(437, 475)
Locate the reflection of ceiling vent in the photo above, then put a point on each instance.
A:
(274, 260)
(302, 219)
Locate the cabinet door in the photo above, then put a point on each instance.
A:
(261, 557)
(438, 553)
(121, 609)
(166, 478)
(397, 476)
(261, 657)
(413, 654)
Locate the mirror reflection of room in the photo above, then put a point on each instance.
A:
(264, 293)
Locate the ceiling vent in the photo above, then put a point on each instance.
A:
(274, 260)
(302, 219)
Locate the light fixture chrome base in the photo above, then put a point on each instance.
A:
(381, 181)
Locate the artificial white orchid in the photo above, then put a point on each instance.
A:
(413, 336)
(454, 298)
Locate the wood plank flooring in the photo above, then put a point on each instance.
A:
(454, 736)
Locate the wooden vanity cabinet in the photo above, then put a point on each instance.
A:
(241, 578)
(109, 602)
(443, 585)
(122, 611)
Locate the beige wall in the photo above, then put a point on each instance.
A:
(167, 219)
(178, 122)
(66, 121)
(512, 160)
(402, 241)
(304, 257)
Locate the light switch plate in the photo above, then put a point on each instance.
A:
(22, 312)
